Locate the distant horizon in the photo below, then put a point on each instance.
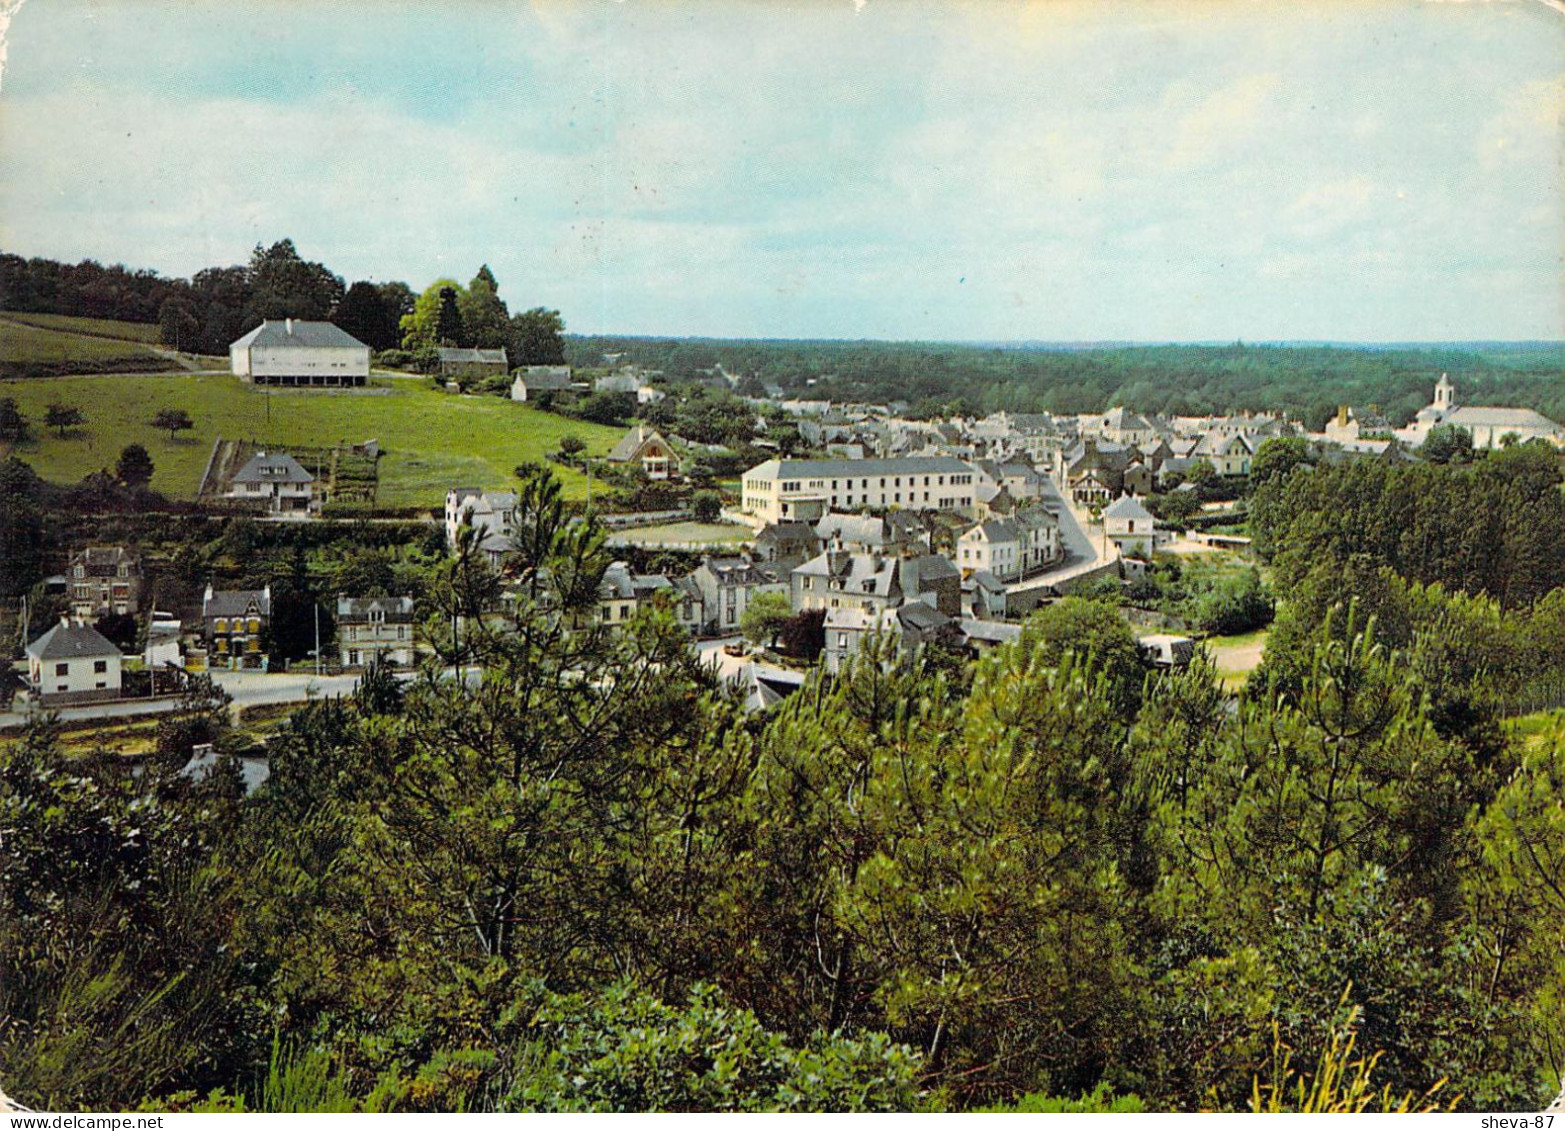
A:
(1385, 171)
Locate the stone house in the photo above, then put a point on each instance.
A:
(375, 628)
(105, 581)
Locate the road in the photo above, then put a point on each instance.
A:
(712, 654)
(1083, 553)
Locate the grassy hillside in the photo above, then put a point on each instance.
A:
(432, 440)
(143, 332)
(22, 342)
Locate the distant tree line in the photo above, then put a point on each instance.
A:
(942, 378)
(205, 313)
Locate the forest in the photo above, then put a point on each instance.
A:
(1304, 382)
(587, 880)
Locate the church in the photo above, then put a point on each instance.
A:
(1488, 426)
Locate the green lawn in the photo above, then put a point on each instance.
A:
(707, 533)
(145, 332)
(21, 342)
(431, 440)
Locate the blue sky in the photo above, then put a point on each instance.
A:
(1198, 169)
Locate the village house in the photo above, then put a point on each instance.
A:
(105, 581)
(1129, 526)
(472, 364)
(531, 380)
(277, 482)
(292, 353)
(789, 490)
(371, 629)
(840, 579)
(1229, 454)
(858, 533)
(728, 585)
(1010, 549)
(73, 663)
(931, 580)
(647, 448)
(1166, 651)
(623, 593)
(233, 623)
(787, 540)
(491, 515)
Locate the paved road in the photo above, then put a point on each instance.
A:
(711, 652)
(1083, 552)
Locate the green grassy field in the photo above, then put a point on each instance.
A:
(21, 341)
(431, 440)
(705, 533)
(144, 332)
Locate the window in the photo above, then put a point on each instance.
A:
(842, 639)
(100, 667)
(220, 624)
(353, 657)
(62, 669)
(402, 632)
(255, 624)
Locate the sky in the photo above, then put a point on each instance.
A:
(1347, 170)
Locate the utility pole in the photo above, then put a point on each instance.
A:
(317, 607)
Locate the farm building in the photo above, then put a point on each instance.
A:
(300, 354)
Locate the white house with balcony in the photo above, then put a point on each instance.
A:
(277, 482)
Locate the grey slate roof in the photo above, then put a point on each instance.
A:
(920, 617)
(276, 334)
(452, 356)
(72, 642)
(864, 468)
(632, 442)
(990, 631)
(104, 561)
(278, 467)
(357, 610)
(236, 602)
(1126, 506)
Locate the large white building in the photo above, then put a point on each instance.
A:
(792, 490)
(1488, 426)
(294, 353)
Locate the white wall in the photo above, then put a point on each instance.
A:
(307, 361)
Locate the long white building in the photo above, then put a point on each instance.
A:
(291, 352)
(794, 490)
